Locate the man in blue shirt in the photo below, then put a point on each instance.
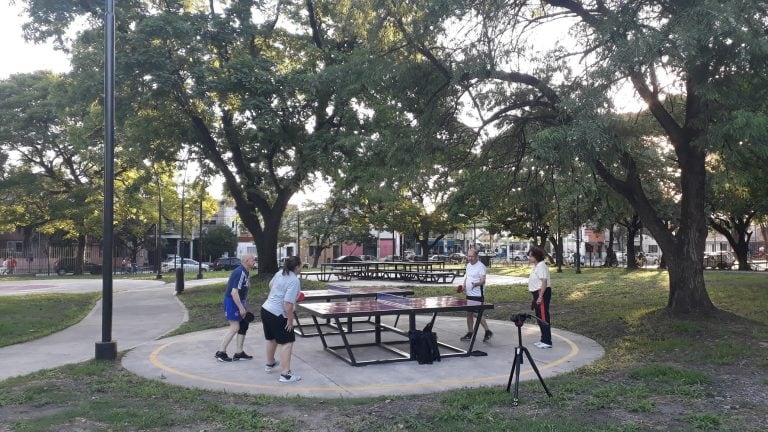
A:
(235, 309)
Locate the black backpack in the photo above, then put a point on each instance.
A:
(424, 344)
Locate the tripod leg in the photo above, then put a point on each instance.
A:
(536, 369)
(512, 371)
(515, 398)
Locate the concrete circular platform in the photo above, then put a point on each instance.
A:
(187, 360)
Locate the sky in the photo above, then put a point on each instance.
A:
(19, 56)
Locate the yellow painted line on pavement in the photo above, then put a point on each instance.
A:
(154, 359)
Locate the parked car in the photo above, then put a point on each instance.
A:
(518, 256)
(66, 265)
(190, 265)
(438, 258)
(367, 257)
(391, 258)
(410, 255)
(229, 263)
(719, 260)
(347, 259)
(457, 258)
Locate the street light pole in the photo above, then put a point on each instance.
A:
(578, 238)
(298, 231)
(106, 349)
(180, 269)
(159, 229)
(200, 234)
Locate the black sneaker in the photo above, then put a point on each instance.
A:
(488, 336)
(241, 356)
(222, 356)
(467, 336)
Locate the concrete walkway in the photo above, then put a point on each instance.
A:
(146, 310)
(142, 311)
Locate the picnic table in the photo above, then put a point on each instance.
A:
(389, 305)
(412, 271)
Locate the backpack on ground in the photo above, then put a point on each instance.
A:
(424, 344)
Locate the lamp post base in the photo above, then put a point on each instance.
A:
(106, 350)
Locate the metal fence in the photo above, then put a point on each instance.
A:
(40, 259)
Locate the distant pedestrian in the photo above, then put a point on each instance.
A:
(3, 266)
(474, 286)
(11, 264)
(540, 287)
(277, 318)
(235, 310)
(124, 265)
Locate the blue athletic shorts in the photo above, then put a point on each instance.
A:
(231, 311)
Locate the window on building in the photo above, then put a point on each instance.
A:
(723, 246)
(653, 248)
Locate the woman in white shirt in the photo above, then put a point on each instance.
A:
(540, 286)
(277, 318)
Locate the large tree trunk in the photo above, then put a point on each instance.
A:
(318, 251)
(558, 248)
(687, 292)
(80, 254)
(684, 250)
(423, 240)
(632, 230)
(610, 256)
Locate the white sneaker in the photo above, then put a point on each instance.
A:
(289, 377)
(268, 368)
(538, 344)
(543, 345)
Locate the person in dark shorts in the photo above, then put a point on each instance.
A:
(474, 283)
(540, 287)
(235, 309)
(277, 318)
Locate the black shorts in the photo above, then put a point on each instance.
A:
(476, 298)
(274, 328)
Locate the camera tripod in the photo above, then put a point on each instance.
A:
(519, 320)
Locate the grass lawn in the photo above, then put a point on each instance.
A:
(659, 373)
(24, 318)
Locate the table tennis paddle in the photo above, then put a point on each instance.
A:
(300, 297)
(460, 289)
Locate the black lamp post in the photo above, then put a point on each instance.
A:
(578, 237)
(200, 235)
(180, 269)
(298, 231)
(106, 349)
(158, 229)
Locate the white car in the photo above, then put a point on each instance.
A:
(518, 256)
(190, 265)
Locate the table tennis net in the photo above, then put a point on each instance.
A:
(338, 288)
(395, 299)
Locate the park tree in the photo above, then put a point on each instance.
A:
(261, 90)
(331, 223)
(736, 197)
(220, 240)
(688, 51)
(53, 175)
